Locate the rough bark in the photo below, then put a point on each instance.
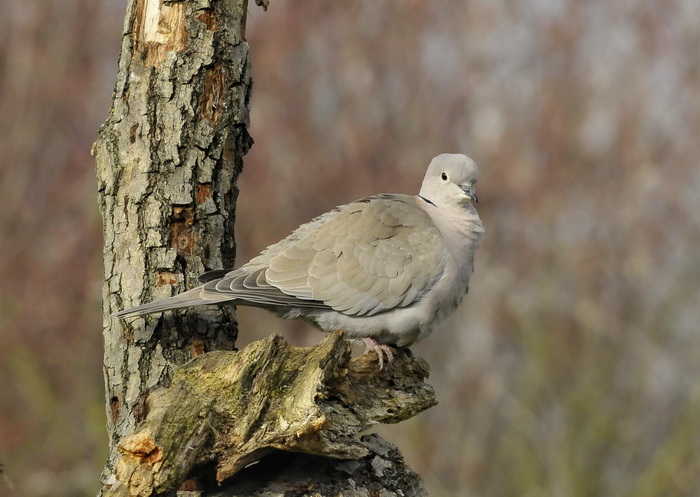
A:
(226, 410)
(167, 161)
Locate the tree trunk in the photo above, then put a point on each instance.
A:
(168, 158)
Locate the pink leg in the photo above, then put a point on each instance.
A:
(380, 349)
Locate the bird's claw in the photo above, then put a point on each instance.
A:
(380, 349)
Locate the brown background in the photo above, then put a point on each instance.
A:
(571, 369)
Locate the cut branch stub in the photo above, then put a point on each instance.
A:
(232, 408)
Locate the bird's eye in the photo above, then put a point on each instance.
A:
(444, 176)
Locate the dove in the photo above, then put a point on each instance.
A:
(385, 269)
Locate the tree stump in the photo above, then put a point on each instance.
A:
(226, 410)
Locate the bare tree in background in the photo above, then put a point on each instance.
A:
(168, 158)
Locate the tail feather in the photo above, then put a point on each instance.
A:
(186, 299)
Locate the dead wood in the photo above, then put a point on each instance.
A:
(226, 410)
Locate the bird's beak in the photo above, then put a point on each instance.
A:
(470, 192)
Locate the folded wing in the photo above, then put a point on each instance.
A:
(364, 258)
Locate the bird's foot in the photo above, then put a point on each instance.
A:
(380, 349)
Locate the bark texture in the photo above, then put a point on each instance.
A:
(167, 161)
(226, 410)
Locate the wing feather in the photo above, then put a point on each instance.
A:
(373, 255)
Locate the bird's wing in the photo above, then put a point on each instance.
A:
(367, 257)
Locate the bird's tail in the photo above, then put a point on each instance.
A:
(186, 299)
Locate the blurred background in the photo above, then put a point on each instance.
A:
(571, 369)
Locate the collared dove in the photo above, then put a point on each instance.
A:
(385, 268)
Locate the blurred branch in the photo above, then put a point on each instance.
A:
(263, 3)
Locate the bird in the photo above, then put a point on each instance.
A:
(384, 269)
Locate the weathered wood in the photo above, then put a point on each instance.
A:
(381, 472)
(167, 158)
(226, 410)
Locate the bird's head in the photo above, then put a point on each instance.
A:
(450, 178)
